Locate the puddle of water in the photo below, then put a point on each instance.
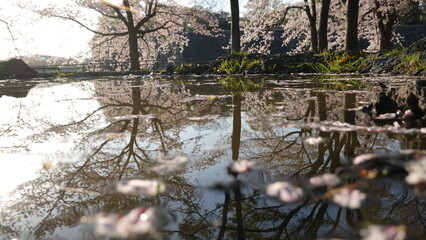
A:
(193, 158)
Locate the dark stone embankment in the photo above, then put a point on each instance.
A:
(261, 64)
(406, 103)
(388, 64)
(16, 68)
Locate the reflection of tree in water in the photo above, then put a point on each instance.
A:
(143, 122)
(244, 212)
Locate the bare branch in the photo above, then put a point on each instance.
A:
(88, 28)
(11, 36)
(163, 26)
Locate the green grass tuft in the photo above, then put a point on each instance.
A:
(240, 62)
(240, 83)
(334, 62)
(411, 64)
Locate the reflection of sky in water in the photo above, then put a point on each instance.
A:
(32, 124)
(44, 107)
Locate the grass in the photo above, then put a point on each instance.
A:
(240, 83)
(182, 68)
(59, 74)
(335, 62)
(411, 64)
(394, 52)
(240, 62)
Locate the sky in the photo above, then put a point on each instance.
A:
(55, 37)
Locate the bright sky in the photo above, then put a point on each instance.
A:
(55, 37)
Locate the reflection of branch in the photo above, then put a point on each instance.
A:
(93, 113)
(157, 125)
(337, 220)
(6, 229)
(238, 213)
(398, 202)
(17, 118)
(224, 215)
(286, 221)
(62, 192)
(374, 142)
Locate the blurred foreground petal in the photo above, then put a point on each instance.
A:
(416, 171)
(139, 221)
(284, 191)
(376, 232)
(350, 198)
(242, 166)
(140, 186)
(314, 140)
(169, 163)
(328, 179)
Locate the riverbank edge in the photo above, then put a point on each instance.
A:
(410, 61)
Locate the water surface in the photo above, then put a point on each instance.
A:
(204, 156)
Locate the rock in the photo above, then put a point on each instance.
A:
(419, 46)
(408, 101)
(16, 68)
(387, 63)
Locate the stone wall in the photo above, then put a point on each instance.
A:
(208, 47)
(411, 33)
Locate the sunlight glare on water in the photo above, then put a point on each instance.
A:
(32, 117)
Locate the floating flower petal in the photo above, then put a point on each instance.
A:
(416, 171)
(386, 116)
(244, 166)
(284, 191)
(376, 232)
(351, 198)
(328, 179)
(140, 186)
(314, 140)
(139, 221)
(203, 118)
(169, 163)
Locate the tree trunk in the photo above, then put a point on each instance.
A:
(235, 26)
(313, 27)
(323, 26)
(236, 126)
(134, 51)
(385, 40)
(385, 30)
(133, 39)
(351, 39)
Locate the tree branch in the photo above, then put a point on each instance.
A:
(11, 36)
(88, 28)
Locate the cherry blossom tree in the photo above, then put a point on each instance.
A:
(277, 14)
(267, 15)
(386, 15)
(130, 20)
